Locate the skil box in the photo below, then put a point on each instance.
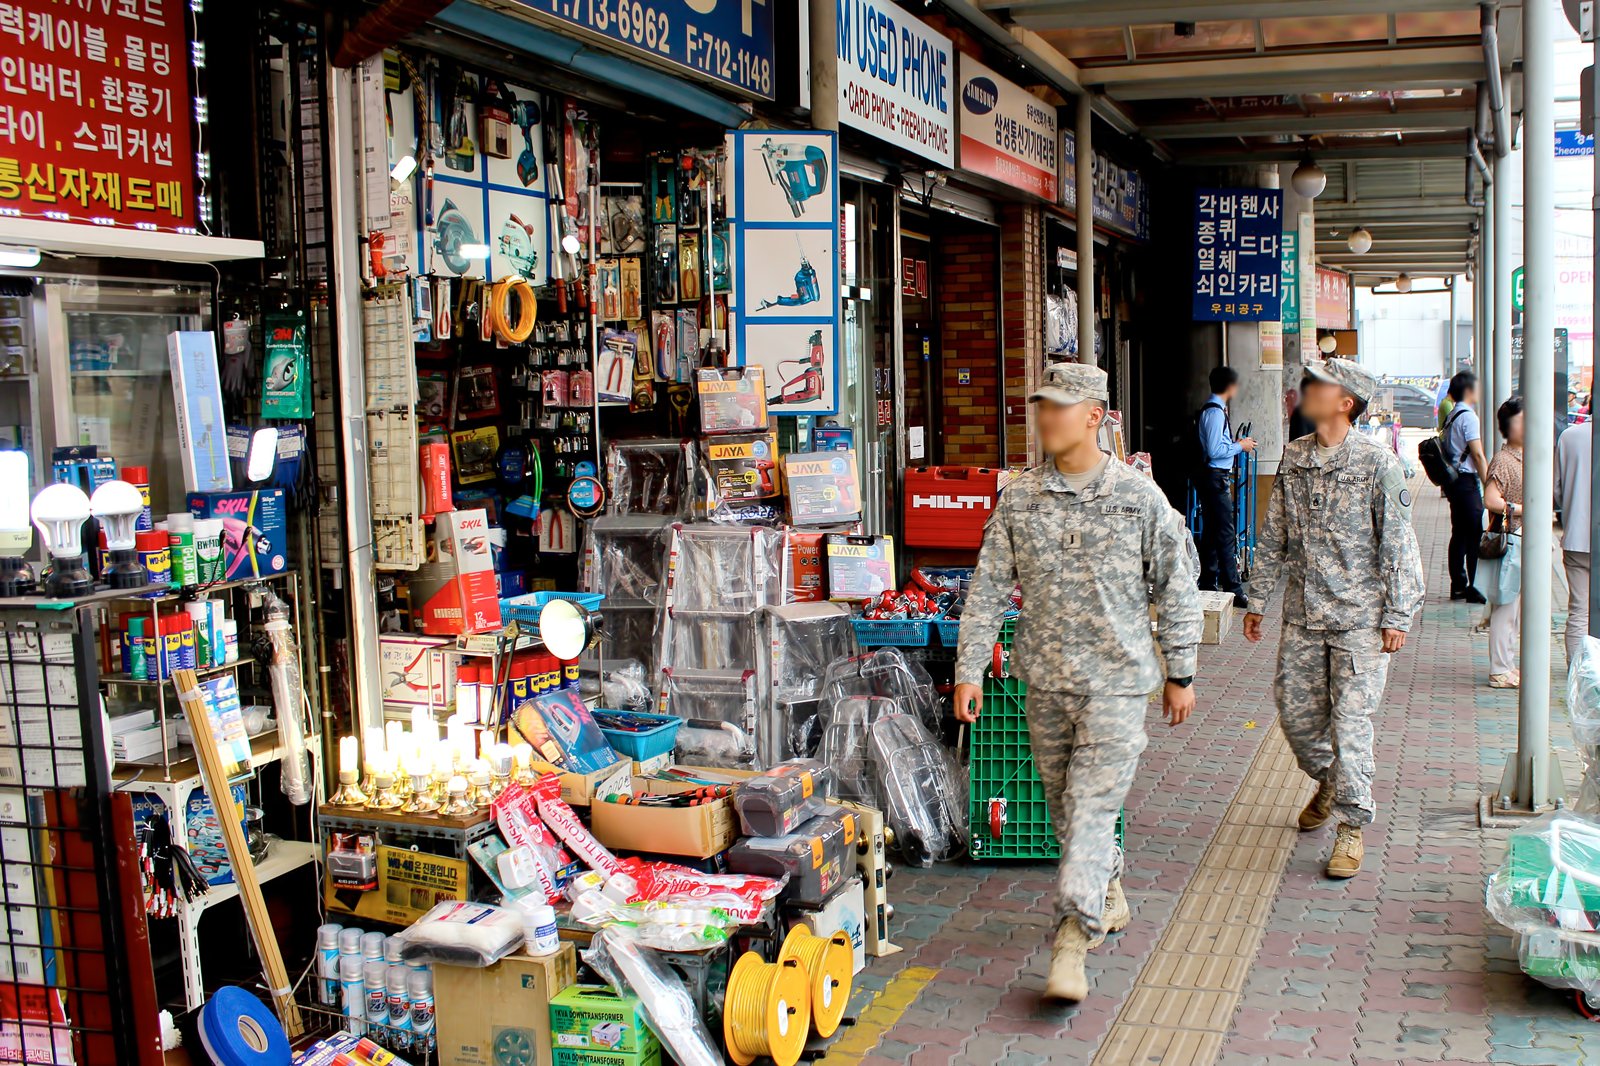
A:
(594, 1018)
(947, 506)
(454, 592)
(255, 539)
(481, 1011)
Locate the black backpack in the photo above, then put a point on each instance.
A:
(1430, 453)
(1199, 461)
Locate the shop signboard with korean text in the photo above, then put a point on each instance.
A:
(1333, 299)
(1306, 271)
(1007, 133)
(784, 207)
(896, 78)
(95, 113)
(729, 42)
(1291, 283)
(1238, 242)
(1121, 197)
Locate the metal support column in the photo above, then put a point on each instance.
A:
(1594, 441)
(1502, 219)
(344, 215)
(1532, 769)
(1488, 285)
(1084, 147)
(823, 19)
(1450, 357)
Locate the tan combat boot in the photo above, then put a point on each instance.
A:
(1067, 981)
(1347, 851)
(1118, 913)
(1317, 811)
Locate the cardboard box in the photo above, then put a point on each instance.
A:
(414, 669)
(743, 466)
(455, 592)
(844, 910)
(652, 764)
(807, 572)
(698, 832)
(478, 1007)
(255, 538)
(859, 567)
(409, 884)
(582, 790)
(1219, 611)
(594, 1018)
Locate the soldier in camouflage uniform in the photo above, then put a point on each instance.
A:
(1086, 537)
(1338, 533)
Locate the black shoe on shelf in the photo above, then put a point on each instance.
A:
(1473, 596)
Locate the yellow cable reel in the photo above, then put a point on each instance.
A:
(830, 966)
(767, 1011)
(500, 308)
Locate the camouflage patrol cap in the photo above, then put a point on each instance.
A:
(1350, 376)
(1069, 383)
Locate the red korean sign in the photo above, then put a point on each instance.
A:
(1333, 299)
(95, 113)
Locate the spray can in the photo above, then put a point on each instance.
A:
(155, 555)
(133, 643)
(353, 994)
(372, 946)
(208, 549)
(421, 989)
(200, 615)
(183, 622)
(328, 964)
(180, 534)
(139, 478)
(399, 1003)
(377, 994)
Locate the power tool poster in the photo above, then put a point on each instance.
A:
(785, 206)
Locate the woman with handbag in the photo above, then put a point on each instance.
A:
(1502, 542)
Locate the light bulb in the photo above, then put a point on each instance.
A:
(16, 535)
(117, 505)
(59, 512)
(1360, 240)
(1402, 283)
(1327, 344)
(1309, 179)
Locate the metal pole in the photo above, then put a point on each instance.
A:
(1503, 172)
(1450, 330)
(1083, 145)
(823, 18)
(1488, 284)
(1594, 441)
(1534, 757)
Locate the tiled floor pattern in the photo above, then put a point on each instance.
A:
(1400, 964)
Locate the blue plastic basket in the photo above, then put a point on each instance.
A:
(949, 631)
(645, 743)
(903, 633)
(524, 609)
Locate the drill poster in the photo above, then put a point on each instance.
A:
(785, 203)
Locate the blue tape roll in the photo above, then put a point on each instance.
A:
(237, 1029)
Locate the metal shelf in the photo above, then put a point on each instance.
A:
(285, 857)
(201, 672)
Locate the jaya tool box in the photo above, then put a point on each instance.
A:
(947, 506)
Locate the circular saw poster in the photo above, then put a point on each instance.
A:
(785, 203)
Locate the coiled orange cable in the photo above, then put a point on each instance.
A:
(500, 307)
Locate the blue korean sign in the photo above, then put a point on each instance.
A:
(725, 41)
(1291, 282)
(1238, 244)
(1121, 197)
(1572, 143)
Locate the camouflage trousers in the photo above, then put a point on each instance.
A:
(1086, 749)
(1329, 686)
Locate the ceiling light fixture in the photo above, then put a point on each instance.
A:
(1309, 179)
(1402, 283)
(1360, 241)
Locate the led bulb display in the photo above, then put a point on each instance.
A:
(59, 512)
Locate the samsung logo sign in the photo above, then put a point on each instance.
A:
(980, 95)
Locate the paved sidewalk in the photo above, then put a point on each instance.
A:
(1400, 964)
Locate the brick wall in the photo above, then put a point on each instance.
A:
(966, 269)
(1022, 287)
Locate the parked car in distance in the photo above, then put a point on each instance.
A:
(1414, 405)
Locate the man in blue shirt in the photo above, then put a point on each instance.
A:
(1219, 549)
(1462, 443)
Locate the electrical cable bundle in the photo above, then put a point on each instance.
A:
(830, 965)
(500, 309)
(767, 1011)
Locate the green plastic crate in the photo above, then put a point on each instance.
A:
(1000, 765)
(1535, 882)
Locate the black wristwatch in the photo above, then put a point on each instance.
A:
(1181, 682)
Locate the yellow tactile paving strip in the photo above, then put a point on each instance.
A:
(1185, 997)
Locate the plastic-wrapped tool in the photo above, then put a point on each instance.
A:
(288, 701)
(1548, 892)
(669, 1009)
(650, 477)
(776, 802)
(816, 857)
(801, 640)
(924, 796)
(881, 672)
(1583, 711)
(847, 745)
(719, 712)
